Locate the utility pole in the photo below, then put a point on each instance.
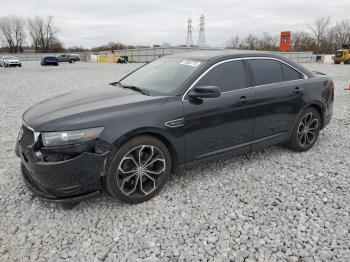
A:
(201, 36)
(189, 41)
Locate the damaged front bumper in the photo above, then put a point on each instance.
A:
(68, 180)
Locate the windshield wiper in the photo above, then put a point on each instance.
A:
(135, 88)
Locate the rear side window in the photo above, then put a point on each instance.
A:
(266, 71)
(228, 76)
(290, 73)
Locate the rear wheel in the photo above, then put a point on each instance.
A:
(138, 170)
(306, 130)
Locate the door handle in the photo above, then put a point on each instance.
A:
(243, 100)
(298, 90)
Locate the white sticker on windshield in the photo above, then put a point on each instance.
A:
(190, 63)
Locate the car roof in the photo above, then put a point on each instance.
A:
(219, 55)
(210, 54)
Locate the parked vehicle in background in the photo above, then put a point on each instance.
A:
(173, 113)
(342, 55)
(49, 60)
(123, 59)
(9, 60)
(70, 58)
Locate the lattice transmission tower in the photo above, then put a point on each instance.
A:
(189, 40)
(201, 36)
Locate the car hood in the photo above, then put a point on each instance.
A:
(11, 60)
(84, 108)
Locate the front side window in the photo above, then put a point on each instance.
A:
(266, 71)
(227, 76)
(164, 75)
(290, 73)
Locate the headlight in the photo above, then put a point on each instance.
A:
(70, 137)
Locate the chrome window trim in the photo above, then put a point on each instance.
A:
(239, 59)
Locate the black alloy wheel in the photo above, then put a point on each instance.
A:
(138, 170)
(306, 130)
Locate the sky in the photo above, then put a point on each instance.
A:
(91, 23)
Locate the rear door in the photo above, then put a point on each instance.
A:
(278, 99)
(218, 125)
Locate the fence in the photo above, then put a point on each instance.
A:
(84, 56)
(149, 54)
(143, 55)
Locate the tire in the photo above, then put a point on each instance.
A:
(124, 184)
(337, 63)
(302, 139)
(347, 62)
(72, 61)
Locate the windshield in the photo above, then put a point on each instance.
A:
(339, 53)
(9, 57)
(164, 75)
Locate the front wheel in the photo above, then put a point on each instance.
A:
(138, 170)
(306, 131)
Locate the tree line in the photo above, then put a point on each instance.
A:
(41, 31)
(322, 37)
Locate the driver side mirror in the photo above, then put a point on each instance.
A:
(204, 92)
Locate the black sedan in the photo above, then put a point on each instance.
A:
(49, 60)
(174, 113)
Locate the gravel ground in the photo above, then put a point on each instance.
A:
(270, 205)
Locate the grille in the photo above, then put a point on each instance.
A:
(27, 138)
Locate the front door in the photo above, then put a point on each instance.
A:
(218, 125)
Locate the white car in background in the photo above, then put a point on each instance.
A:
(9, 60)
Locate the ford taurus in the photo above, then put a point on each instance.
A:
(174, 113)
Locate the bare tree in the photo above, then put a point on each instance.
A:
(342, 32)
(302, 41)
(320, 29)
(267, 42)
(13, 29)
(251, 42)
(43, 33)
(34, 26)
(233, 42)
